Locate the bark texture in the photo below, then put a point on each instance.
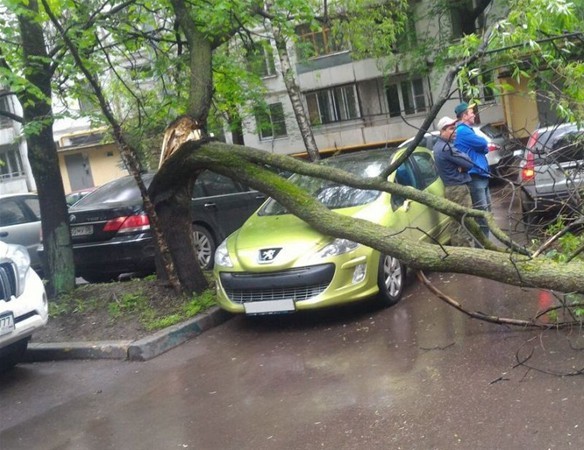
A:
(43, 158)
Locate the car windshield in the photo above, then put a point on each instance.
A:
(333, 195)
(122, 190)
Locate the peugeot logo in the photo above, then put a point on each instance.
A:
(72, 218)
(267, 255)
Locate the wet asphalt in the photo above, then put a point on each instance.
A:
(419, 375)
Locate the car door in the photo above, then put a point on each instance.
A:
(20, 223)
(423, 222)
(222, 204)
(560, 171)
(434, 223)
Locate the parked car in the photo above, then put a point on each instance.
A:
(501, 147)
(73, 197)
(20, 223)
(111, 232)
(277, 263)
(551, 171)
(23, 303)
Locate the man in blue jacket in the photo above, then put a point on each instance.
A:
(453, 167)
(467, 141)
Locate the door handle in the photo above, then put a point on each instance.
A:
(210, 205)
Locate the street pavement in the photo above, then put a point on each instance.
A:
(419, 375)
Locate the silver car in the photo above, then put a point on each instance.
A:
(20, 223)
(551, 171)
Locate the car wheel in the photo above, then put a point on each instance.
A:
(12, 354)
(205, 246)
(391, 279)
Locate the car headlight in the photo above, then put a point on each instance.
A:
(338, 247)
(222, 257)
(21, 259)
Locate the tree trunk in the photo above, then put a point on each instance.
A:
(43, 158)
(295, 95)
(171, 192)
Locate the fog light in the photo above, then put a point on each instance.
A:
(359, 273)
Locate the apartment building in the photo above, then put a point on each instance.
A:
(355, 103)
(86, 159)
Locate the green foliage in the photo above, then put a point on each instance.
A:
(128, 303)
(196, 305)
(68, 304)
(566, 246)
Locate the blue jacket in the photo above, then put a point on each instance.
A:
(451, 164)
(467, 141)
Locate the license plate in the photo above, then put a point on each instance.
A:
(6, 323)
(269, 306)
(82, 230)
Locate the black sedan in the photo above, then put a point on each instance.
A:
(111, 233)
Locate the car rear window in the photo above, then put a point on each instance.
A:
(122, 190)
(570, 147)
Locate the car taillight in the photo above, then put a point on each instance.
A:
(492, 146)
(532, 140)
(127, 224)
(528, 169)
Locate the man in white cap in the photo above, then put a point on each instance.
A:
(453, 167)
(475, 146)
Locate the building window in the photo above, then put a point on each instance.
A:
(10, 163)
(407, 38)
(487, 85)
(260, 59)
(333, 105)
(271, 122)
(313, 43)
(406, 97)
(5, 122)
(462, 18)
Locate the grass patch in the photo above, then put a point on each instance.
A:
(151, 304)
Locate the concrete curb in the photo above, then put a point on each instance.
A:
(139, 350)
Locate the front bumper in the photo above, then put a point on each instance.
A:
(309, 287)
(30, 311)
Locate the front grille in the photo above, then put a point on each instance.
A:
(260, 295)
(298, 284)
(7, 281)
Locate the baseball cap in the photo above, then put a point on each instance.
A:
(445, 121)
(462, 108)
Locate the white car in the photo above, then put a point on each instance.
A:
(23, 303)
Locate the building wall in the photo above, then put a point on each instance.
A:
(105, 163)
(517, 110)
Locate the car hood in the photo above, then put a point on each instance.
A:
(290, 240)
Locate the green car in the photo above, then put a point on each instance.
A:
(277, 263)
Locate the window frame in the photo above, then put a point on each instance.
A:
(260, 59)
(333, 105)
(5, 105)
(406, 93)
(320, 41)
(12, 166)
(271, 124)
